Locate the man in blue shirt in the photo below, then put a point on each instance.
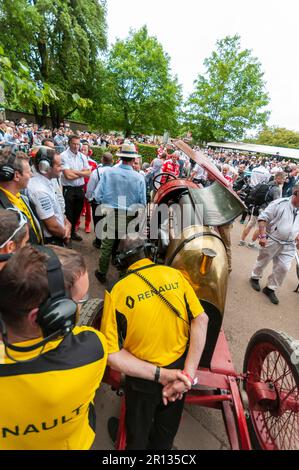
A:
(121, 192)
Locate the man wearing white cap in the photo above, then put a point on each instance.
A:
(120, 189)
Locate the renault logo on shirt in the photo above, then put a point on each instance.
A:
(161, 289)
(130, 302)
(18, 430)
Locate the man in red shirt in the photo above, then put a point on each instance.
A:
(86, 211)
(171, 166)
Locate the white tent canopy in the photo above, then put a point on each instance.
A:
(266, 149)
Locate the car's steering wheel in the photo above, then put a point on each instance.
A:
(168, 177)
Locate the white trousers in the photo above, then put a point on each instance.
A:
(282, 257)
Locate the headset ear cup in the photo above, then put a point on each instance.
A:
(149, 250)
(44, 167)
(120, 261)
(43, 161)
(57, 315)
(7, 173)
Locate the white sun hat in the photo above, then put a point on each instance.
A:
(128, 150)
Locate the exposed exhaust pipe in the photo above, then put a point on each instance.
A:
(206, 260)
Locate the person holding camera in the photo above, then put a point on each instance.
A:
(290, 180)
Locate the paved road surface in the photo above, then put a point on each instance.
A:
(246, 312)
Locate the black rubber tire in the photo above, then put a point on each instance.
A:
(91, 312)
(284, 344)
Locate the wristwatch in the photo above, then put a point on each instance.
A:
(157, 374)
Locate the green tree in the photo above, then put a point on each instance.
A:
(278, 136)
(140, 94)
(230, 97)
(60, 42)
(19, 76)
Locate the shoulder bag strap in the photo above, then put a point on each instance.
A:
(166, 301)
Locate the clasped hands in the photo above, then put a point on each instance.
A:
(175, 385)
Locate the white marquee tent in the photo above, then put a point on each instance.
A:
(266, 149)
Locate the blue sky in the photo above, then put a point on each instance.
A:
(188, 31)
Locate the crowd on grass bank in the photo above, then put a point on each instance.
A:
(25, 135)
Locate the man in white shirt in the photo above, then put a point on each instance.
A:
(198, 174)
(41, 190)
(48, 142)
(260, 174)
(278, 238)
(106, 162)
(75, 168)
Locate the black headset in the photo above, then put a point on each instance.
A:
(122, 259)
(43, 161)
(57, 316)
(7, 171)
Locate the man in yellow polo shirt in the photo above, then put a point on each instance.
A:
(15, 174)
(152, 313)
(47, 390)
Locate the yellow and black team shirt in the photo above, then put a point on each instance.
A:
(150, 330)
(47, 403)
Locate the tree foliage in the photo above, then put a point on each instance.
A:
(230, 97)
(59, 41)
(278, 136)
(28, 91)
(140, 94)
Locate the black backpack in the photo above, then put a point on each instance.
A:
(259, 195)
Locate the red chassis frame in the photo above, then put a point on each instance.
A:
(218, 387)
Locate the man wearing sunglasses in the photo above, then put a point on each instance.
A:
(14, 233)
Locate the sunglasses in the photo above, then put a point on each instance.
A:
(22, 222)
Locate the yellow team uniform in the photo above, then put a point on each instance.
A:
(149, 329)
(19, 203)
(47, 403)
